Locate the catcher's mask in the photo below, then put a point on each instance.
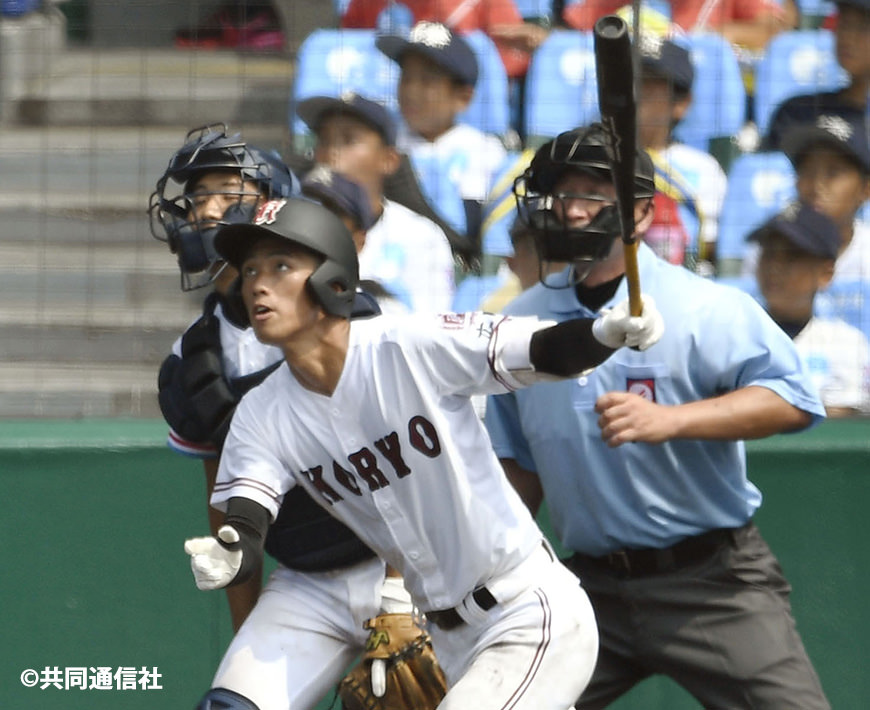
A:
(539, 205)
(173, 209)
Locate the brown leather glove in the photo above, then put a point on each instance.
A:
(399, 670)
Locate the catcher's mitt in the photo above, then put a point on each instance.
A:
(399, 670)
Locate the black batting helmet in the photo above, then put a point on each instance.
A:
(172, 205)
(586, 150)
(312, 226)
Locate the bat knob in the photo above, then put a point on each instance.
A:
(610, 27)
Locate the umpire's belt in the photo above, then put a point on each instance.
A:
(644, 562)
(501, 589)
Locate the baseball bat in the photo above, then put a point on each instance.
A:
(616, 100)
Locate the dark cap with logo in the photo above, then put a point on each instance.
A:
(313, 110)
(439, 45)
(805, 228)
(849, 137)
(667, 59)
(324, 184)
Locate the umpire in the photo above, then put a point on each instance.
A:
(642, 460)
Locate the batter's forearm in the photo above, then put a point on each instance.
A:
(251, 521)
(567, 348)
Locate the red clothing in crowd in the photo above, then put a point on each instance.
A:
(685, 13)
(459, 15)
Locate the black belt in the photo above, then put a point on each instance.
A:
(649, 561)
(446, 619)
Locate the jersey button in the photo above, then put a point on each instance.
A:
(583, 381)
(414, 555)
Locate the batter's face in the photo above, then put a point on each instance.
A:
(832, 184)
(279, 305)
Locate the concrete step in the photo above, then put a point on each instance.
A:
(75, 390)
(25, 343)
(94, 285)
(157, 87)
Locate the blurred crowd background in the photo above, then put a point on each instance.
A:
(96, 95)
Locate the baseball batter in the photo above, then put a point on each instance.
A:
(373, 418)
(327, 582)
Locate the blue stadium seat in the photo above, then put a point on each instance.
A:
(490, 108)
(718, 94)
(794, 63)
(332, 62)
(849, 300)
(561, 85)
(759, 185)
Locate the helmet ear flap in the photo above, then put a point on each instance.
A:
(330, 288)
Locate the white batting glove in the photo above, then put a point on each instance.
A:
(615, 328)
(214, 565)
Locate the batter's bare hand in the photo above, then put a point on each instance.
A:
(625, 417)
(213, 561)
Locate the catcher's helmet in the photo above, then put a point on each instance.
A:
(172, 206)
(312, 226)
(585, 150)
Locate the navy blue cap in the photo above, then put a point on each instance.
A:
(860, 4)
(324, 184)
(438, 44)
(312, 111)
(845, 135)
(666, 59)
(805, 228)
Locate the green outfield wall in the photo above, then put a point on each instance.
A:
(96, 589)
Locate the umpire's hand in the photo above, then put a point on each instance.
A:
(215, 561)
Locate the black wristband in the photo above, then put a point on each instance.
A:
(250, 520)
(567, 348)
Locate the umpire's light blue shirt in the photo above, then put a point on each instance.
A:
(717, 339)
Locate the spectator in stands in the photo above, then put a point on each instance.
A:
(237, 24)
(747, 23)
(407, 253)
(832, 161)
(349, 201)
(687, 178)
(456, 162)
(499, 19)
(852, 34)
(798, 248)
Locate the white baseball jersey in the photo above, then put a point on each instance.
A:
(398, 453)
(838, 358)
(410, 256)
(469, 157)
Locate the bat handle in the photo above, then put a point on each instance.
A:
(632, 275)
